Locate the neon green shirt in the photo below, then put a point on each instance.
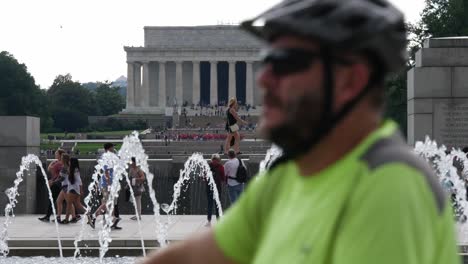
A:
(378, 204)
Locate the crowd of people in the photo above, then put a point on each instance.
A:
(67, 187)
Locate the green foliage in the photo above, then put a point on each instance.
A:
(445, 18)
(19, 94)
(65, 93)
(395, 92)
(70, 104)
(109, 99)
(70, 120)
(113, 124)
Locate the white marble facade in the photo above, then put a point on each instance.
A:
(181, 64)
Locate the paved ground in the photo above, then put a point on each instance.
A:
(29, 237)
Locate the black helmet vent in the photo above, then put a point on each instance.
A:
(379, 3)
(355, 21)
(318, 11)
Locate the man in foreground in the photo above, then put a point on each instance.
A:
(348, 189)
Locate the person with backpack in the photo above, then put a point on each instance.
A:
(235, 182)
(219, 178)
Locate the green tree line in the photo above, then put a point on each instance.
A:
(65, 106)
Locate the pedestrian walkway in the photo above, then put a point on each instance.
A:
(30, 237)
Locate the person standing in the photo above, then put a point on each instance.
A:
(105, 184)
(63, 178)
(137, 180)
(232, 126)
(54, 182)
(74, 192)
(231, 166)
(217, 170)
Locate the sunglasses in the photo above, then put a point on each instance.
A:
(288, 61)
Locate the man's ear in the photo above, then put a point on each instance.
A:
(350, 80)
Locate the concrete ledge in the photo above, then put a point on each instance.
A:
(442, 57)
(429, 82)
(450, 42)
(19, 131)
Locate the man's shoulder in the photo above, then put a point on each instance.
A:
(394, 151)
(391, 161)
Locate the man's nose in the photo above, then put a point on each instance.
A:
(266, 79)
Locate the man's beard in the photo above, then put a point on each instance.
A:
(298, 132)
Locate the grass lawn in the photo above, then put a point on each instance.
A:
(93, 147)
(110, 133)
(50, 146)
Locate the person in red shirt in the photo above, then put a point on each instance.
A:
(219, 178)
(54, 181)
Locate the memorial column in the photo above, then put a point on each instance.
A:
(179, 83)
(138, 92)
(249, 93)
(162, 84)
(232, 80)
(196, 82)
(130, 86)
(213, 83)
(145, 91)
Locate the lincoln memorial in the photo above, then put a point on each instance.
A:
(203, 65)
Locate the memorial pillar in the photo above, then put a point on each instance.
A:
(232, 80)
(145, 91)
(130, 85)
(138, 92)
(196, 82)
(179, 83)
(214, 83)
(249, 93)
(162, 84)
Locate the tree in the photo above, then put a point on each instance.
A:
(69, 98)
(66, 93)
(70, 120)
(109, 99)
(19, 94)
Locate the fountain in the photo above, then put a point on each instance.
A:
(12, 193)
(195, 166)
(272, 154)
(450, 167)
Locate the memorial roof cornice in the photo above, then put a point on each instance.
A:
(196, 49)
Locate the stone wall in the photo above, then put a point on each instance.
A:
(438, 92)
(19, 136)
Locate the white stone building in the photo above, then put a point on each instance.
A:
(194, 65)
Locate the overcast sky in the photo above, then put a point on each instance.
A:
(85, 38)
